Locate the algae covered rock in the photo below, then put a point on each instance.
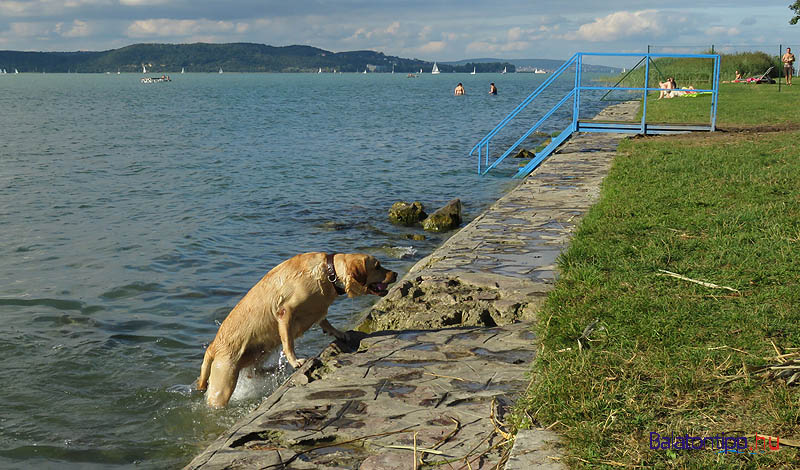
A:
(444, 219)
(403, 213)
(524, 153)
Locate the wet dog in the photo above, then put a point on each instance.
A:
(285, 303)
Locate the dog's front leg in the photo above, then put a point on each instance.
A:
(331, 330)
(287, 339)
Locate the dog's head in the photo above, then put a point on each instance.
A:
(365, 275)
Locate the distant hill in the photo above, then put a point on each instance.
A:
(233, 57)
(529, 65)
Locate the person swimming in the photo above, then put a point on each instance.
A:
(492, 89)
(459, 90)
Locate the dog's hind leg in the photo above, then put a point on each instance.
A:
(205, 369)
(222, 381)
(331, 330)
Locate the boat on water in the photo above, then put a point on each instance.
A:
(365, 71)
(420, 71)
(161, 79)
(220, 70)
(505, 70)
(539, 71)
(435, 70)
(473, 71)
(182, 70)
(320, 70)
(16, 71)
(144, 69)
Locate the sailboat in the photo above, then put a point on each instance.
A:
(183, 70)
(16, 71)
(473, 71)
(220, 70)
(435, 70)
(144, 69)
(420, 71)
(504, 70)
(365, 71)
(320, 70)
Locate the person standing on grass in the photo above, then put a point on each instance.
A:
(788, 65)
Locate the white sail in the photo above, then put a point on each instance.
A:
(144, 69)
(473, 71)
(435, 69)
(320, 70)
(220, 70)
(183, 70)
(16, 71)
(420, 71)
(504, 70)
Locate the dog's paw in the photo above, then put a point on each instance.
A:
(298, 363)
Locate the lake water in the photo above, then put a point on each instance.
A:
(134, 217)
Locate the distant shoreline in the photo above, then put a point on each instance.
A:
(233, 57)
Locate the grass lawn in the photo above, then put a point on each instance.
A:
(668, 355)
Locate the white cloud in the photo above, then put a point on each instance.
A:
(625, 24)
(171, 28)
(78, 29)
(139, 3)
(393, 28)
(15, 8)
(23, 29)
(722, 31)
(432, 46)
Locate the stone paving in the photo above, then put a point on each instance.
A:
(499, 268)
(445, 354)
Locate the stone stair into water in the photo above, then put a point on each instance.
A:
(449, 350)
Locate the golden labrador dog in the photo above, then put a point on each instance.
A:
(285, 303)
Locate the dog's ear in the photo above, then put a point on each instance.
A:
(355, 280)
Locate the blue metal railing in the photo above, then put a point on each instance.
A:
(482, 147)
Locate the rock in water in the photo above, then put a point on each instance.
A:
(444, 219)
(523, 153)
(403, 213)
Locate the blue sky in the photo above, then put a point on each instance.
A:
(432, 29)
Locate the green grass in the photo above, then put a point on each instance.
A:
(668, 355)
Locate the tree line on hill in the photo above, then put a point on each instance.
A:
(234, 57)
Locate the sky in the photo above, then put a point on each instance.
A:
(442, 30)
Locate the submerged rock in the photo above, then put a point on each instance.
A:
(524, 153)
(403, 213)
(444, 219)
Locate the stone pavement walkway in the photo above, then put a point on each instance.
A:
(451, 345)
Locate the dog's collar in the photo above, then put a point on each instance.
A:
(337, 283)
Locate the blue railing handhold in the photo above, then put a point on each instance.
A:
(482, 147)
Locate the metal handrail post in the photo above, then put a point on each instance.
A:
(646, 89)
(715, 93)
(576, 103)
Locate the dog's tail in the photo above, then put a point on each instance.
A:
(205, 369)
